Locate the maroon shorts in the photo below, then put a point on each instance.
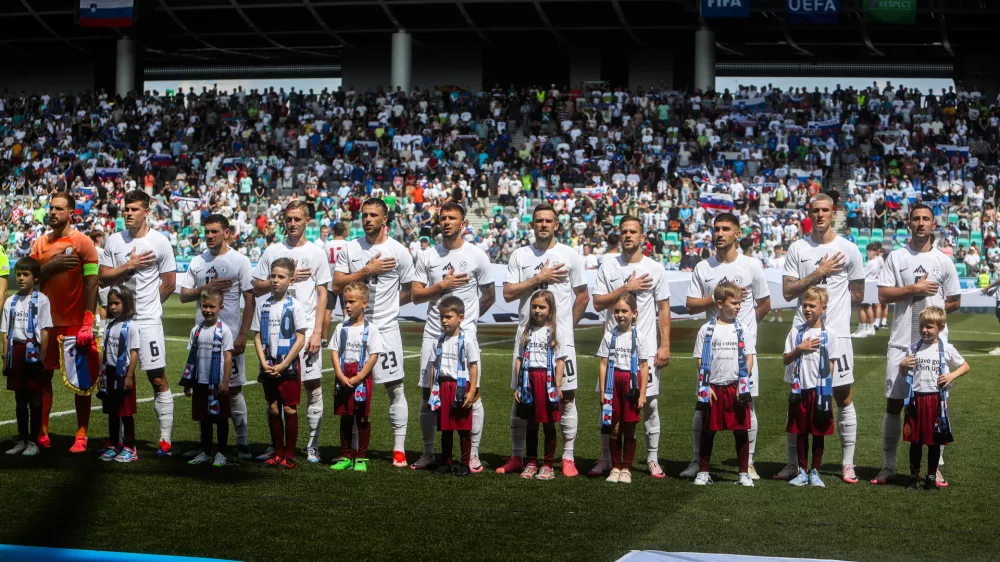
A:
(199, 405)
(451, 418)
(727, 412)
(624, 408)
(343, 401)
(23, 376)
(540, 410)
(919, 427)
(801, 418)
(287, 392)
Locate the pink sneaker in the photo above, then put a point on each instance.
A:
(512, 466)
(79, 445)
(530, 471)
(848, 475)
(939, 478)
(569, 468)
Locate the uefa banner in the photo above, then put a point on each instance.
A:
(823, 12)
(725, 8)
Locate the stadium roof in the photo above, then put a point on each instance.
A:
(317, 31)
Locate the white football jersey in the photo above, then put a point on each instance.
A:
(19, 330)
(904, 267)
(928, 368)
(145, 283)
(384, 289)
(332, 248)
(112, 342)
(803, 257)
(206, 341)
(526, 261)
(449, 356)
(725, 358)
(274, 320)
(431, 267)
(308, 255)
(809, 371)
(613, 274)
(232, 265)
(745, 272)
(352, 351)
(538, 349)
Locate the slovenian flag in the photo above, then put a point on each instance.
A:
(106, 13)
(717, 202)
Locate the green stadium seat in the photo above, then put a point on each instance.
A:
(952, 218)
(862, 243)
(961, 269)
(977, 239)
(526, 219)
(877, 235)
(854, 232)
(673, 237)
(964, 241)
(618, 219)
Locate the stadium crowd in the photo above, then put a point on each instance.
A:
(596, 153)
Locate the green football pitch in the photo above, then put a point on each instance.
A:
(248, 512)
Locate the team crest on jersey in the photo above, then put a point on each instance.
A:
(303, 263)
(919, 272)
(211, 275)
(449, 267)
(462, 266)
(738, 279)
(224, 270)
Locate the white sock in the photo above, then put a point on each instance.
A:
(399, 414)
(568, 423)
(518, 433)
(606, 447)
(847, 426)
(752, 434)
(239, 409)
(478, 415)
(696, 424)
(941, 457)
(163, 404)
(428, 426)
(792, 445)
(892, 427)
(651, 415)
(314, 415)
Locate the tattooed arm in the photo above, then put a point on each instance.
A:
(857, 288)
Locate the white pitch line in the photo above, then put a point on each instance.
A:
(178, 394)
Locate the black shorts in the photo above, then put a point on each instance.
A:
(331, 300)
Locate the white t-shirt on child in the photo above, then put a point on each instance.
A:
(725, 364)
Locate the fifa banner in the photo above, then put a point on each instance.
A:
(81, 366)
(725, 8)
(813, 11)
(891, 11)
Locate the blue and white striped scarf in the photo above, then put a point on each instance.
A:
(609, 375)
(121, 362)
(824, 392)
(704, 394)
(461, 381)
(32, 347)
(286, 334)
(361, 391)
(190, 377)
(524, 381)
